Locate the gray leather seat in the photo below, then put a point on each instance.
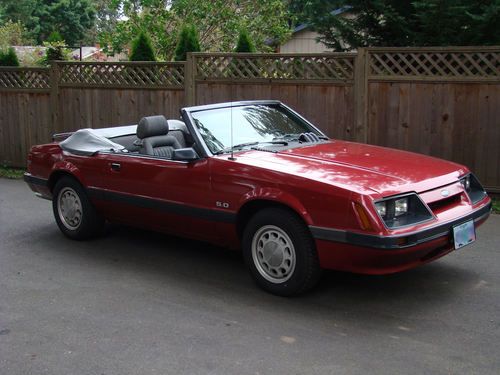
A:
(155, 141)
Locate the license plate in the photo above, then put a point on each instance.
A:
(464, 234)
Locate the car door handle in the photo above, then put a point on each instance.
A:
(116, 167)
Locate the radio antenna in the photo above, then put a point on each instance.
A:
(231, 110)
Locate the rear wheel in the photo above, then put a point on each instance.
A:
(280, 252)
(74, 213)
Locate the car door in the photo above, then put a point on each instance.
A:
(159, 194)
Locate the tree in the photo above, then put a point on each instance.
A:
(217, 22)
(401, 23)
(72, 18)
(106, 19)
(13, 34)
(18, 10)
(8, 58)
(245, 43)
(375, 22)
(188, 42)
(452, 22)
(142, 49)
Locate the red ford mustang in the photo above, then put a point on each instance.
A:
(257, 176)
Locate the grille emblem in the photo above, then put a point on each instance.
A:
(445, 193)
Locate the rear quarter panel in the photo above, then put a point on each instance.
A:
(48, 161)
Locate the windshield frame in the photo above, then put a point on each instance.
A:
(187, 112)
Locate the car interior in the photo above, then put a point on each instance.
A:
(156, 136)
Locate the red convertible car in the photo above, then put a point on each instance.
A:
(258, 176)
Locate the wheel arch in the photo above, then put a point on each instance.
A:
(251, 207)
(57, 174)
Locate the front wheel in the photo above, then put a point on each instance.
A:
(280, 252)
(75, 215)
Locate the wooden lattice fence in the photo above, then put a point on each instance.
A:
(439, 101)
(476, 64)
(315, 67)
(24, 79)
(122, 75)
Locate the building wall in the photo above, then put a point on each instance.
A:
(304, 41)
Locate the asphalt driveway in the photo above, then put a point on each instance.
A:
(137, 302)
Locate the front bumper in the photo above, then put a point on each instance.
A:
(370, 254)
(400, 241)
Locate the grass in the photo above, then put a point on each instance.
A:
(12, 173)
(496, 204)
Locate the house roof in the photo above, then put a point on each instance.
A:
(302, 26)
(86, 52)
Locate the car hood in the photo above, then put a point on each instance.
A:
(360, 167)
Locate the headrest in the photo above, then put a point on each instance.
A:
(152, 126)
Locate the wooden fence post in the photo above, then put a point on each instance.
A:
(54, 98)
(361, 95)
(189, 80)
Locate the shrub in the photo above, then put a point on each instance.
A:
(245, 43)
(55, 51)
(188, 42)
(142, 49)
(9, 58)
(54, 37)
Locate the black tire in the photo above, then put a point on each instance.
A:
(90, 223)
(294, 280)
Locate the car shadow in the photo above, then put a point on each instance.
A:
(197, 268)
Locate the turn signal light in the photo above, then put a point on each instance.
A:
(363, 219)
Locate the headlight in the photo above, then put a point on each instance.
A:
(403, 210)
(473, 187)
(401, 206)
(381, 208)
(466, 183)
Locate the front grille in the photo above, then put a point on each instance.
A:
(445, 203)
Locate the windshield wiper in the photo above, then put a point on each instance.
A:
(284, 143)
(248, 144)
(290, 137)
(238, 146)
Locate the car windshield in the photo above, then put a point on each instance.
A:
(252, 125)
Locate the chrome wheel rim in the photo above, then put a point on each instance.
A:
(69, 208)
(273, 254)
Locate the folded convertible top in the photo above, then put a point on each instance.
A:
(88, 142)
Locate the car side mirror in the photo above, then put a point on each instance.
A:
(185, 154)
